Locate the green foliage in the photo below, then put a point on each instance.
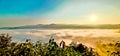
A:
(8, 48)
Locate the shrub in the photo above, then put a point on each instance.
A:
(8, 48)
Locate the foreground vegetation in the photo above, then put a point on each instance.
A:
(27, 48)
(109, 49)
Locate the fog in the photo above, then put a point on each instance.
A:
(86, 36)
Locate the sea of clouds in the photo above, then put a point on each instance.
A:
(68, 35)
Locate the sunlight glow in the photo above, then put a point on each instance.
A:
(93, 18)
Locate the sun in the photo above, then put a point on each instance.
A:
(93, 18)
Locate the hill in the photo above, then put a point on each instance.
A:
(65, 26)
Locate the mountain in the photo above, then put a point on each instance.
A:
(65, 26)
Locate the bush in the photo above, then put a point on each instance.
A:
(8, 48)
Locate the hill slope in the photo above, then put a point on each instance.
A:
(65, 26)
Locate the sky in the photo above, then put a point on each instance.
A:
(27, 12)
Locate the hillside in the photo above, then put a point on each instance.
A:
(65, 26)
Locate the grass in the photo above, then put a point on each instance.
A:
(108, 49)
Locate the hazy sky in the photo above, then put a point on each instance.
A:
(23, 12)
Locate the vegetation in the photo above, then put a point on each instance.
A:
(65, 26)
(27, 48)
(109, 49)
(8, 48)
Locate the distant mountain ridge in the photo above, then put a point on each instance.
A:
(65, 26)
